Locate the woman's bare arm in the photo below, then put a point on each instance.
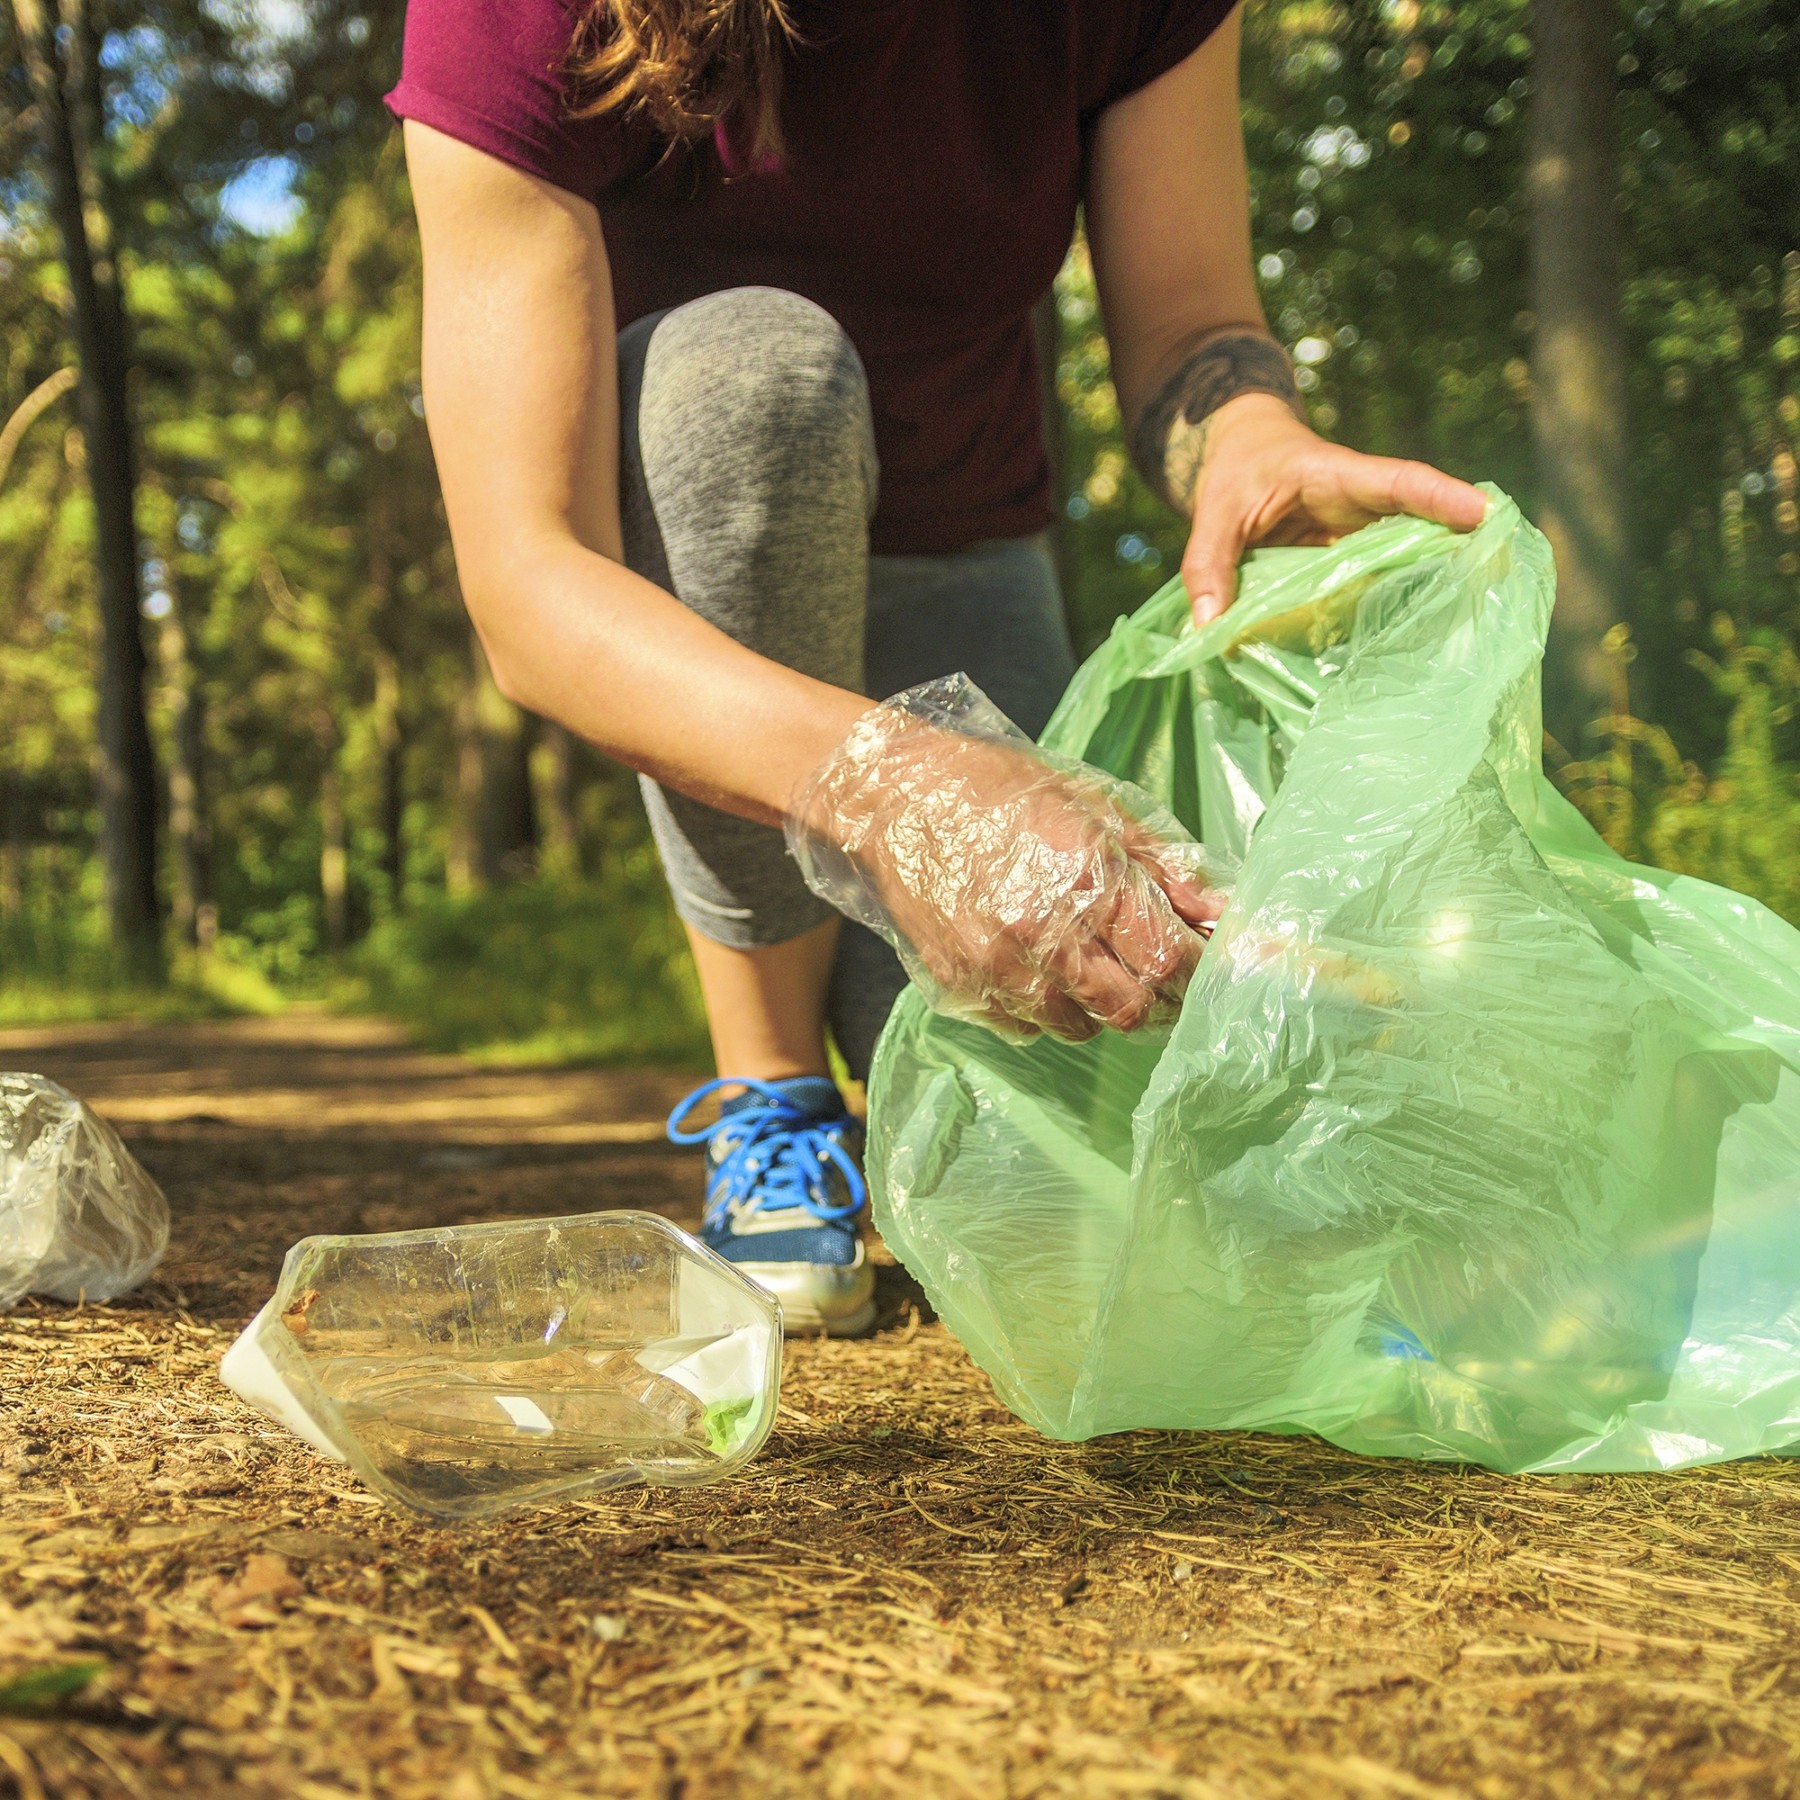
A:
(1212, 412)
(521, 394)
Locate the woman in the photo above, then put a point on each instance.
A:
(730, 376)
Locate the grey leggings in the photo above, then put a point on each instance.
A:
(747, 483)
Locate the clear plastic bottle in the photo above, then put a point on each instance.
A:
(469, 1370)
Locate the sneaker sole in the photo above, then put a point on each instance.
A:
(812, 1301)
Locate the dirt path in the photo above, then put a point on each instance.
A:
(910, 1593)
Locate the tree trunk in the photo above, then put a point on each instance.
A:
(64, 93)
(1579, 357)
(334, 855)
(553, 797)
(390, 749)
(190, 818)
(505, 826)
(389, 727)
(1046, 324)
(12, 854)
(391, 744)
(461, 875)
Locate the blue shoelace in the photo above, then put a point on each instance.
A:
(773, 1156)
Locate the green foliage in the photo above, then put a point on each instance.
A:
(544, 971)
(300, 587)
(306, 635)
(1387, 151)
(58, 970)
(1738, 826)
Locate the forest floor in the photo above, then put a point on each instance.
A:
(909, 1592)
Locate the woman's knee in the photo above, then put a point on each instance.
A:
(767, 380)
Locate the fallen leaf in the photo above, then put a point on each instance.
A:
(319, 1546)
(295, 1318)
(38, 1690)
(265, 1582)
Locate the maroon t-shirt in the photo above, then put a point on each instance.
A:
(935, 153)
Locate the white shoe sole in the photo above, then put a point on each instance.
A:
(819, 1296)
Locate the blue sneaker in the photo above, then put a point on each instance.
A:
(782, 1194)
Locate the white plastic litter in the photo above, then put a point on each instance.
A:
(469, 1370)
(79, 1218)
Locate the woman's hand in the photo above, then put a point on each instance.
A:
(1266, 478)
(1209, 396)
(1020, 893)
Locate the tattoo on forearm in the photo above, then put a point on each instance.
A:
(1168, 441)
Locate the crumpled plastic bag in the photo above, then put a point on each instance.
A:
(79, 1218)
(1472, 1140)
(1022, 889)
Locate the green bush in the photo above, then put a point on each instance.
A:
(545, 971)
(59, 968)
(1738, 825)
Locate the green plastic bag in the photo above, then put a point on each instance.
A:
(1473, 1140)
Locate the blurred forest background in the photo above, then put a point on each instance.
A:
(249, 750)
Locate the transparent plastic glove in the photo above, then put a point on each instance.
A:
(1025, 891)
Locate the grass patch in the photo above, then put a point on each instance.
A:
(543, 972)
(56, 974)
(534, 973)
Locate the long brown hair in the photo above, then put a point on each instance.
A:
(690, 68)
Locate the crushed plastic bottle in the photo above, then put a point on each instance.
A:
(470, 1370)
(79, 1218)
